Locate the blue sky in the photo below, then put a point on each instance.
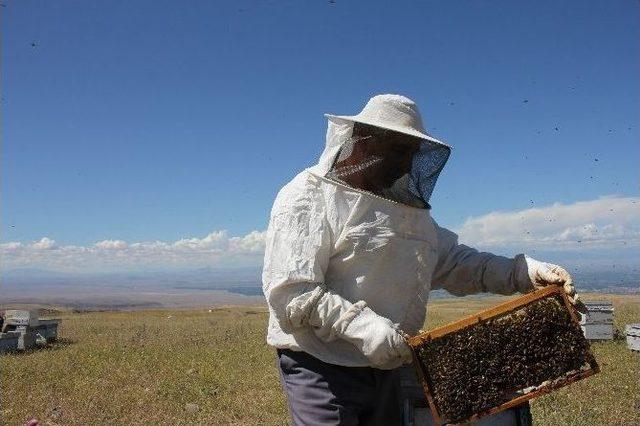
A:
(160, 121)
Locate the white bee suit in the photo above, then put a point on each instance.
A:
(346, 270)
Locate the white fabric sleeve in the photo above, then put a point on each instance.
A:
(297, 251)
(463, 270)
(333, 317)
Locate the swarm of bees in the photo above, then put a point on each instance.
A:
(487, 364)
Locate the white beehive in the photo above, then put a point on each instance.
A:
(21, 318)
(597, 323)
(633, 336)
(24, 330)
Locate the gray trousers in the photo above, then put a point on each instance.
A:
(325, 394)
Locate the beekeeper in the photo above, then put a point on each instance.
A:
(352, 253)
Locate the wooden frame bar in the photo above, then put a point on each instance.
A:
(416, 341)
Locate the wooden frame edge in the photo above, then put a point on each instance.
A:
(487, 314)
(415, 341)
(435, 413)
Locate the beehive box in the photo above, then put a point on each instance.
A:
(27, 340)
(9, 341)
(21, 318)
(48, 329)
(597, 322)
(598, 313)
(633, 336)
(501, 357)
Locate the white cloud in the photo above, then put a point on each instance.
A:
(111, 245)
(109, 255)
(44, 244)
(10, 247)
(250, 243)
(604, 223)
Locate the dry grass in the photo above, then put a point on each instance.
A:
(144, 367)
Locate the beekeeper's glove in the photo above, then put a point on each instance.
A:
(543, 274)
(378, 340)
(333, 317)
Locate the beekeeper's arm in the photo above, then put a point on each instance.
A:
(298, 247)
(463, 270)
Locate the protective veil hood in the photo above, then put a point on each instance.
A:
(399, 115)
(338, 133)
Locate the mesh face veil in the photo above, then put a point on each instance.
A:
(390, 164)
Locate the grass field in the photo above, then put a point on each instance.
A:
(200, 367)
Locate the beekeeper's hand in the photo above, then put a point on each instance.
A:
(378, 340)
(543, 274)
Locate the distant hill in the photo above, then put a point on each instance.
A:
(208, 286)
